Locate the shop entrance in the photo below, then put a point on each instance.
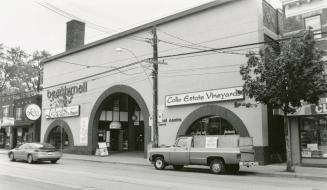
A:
(58, 138)
(121, 124)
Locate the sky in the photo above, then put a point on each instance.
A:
(34, 25)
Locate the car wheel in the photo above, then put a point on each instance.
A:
(30, 159)
(217, 166)
(54, 161)
(159, 163)
(11, 157)
(178, 167)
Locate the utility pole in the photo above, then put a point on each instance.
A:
(155, 86)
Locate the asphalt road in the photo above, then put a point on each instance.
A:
(86, 175)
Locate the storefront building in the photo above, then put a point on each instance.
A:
(309, 134)
(20, 119)
(308, 124)
(99, 99)
(7, 120)
(27, 116)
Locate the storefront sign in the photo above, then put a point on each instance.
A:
(319, 109)
(205, 96)
(33, 112)
(8, 121)
(62, 112)
(306, 109)
(166, 121)
(67, 91)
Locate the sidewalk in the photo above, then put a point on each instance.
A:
(137, 158)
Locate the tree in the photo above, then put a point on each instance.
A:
(19, 71)
(284, 77)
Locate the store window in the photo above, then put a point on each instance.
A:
(315, 23)
(211, 125)
(314, 137)
(58, 137)
(19, 112)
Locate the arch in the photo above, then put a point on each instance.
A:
(96, 112)
(61, 123)
(216, 110)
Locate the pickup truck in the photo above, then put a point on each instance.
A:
(220, 152)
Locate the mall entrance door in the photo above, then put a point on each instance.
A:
(121, 124)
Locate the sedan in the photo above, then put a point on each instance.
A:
(32, 152)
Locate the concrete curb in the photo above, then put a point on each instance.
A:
(109, 162)
(291, 175)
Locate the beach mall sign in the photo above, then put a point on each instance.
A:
(67, 91)
(234, 93)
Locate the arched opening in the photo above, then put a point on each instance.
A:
(121, 124)
(212, 120)
(120, 119)
(211, 125)
(59, 135)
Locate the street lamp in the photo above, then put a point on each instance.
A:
(154, 85)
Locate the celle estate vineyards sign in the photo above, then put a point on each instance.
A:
(67, 91)
(234, 93)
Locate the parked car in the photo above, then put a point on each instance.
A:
(32, 152)
(221, 153)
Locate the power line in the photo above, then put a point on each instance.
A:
(199, 68)
(89, 24)
(167, 56)
(199, 74)
(97, 74)
(232, 47)
(221, 38)
(186, 46)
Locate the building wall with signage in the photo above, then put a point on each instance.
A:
(6, 119)
(180, 75)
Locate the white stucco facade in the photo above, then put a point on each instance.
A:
(229, 24)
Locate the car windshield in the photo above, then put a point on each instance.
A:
(43, 145)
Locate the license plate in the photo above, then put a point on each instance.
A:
(50, 153)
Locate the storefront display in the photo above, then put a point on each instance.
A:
(314, 137)
(211, 125)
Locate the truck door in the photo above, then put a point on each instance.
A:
(180, 154)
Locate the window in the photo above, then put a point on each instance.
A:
(5, 111)
(58, 138)
(182, 142)
(315, 23)
(314, 137)
(211, 125)
(19, 112)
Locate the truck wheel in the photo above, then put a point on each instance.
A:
(178, 167)
(159, 163)
(217, 166)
